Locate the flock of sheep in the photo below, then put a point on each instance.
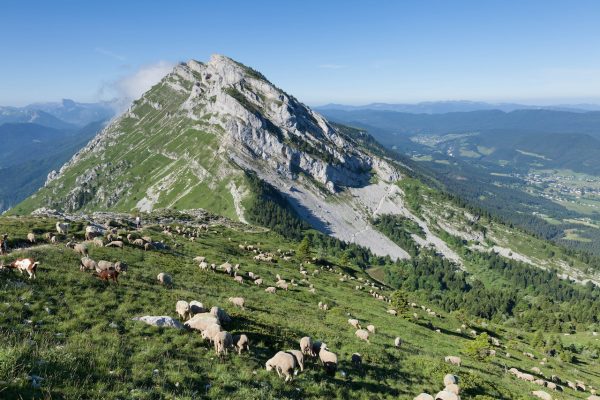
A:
(209, 322)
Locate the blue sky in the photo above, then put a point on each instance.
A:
(321, 51)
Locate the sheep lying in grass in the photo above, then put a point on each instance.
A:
(362, 334)
(237, 301)
(283, 363)
(183, 309)
(223, 341)
(241, 343)
(164, 279)
(299, 358)
(306, 345)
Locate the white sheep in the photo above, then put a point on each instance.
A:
(328, 358)
(271, 290)
(306, 345)
(283, 363)
(31, 238)
(223, 341)
(453, 360)
(299, 358)
(241, 342)
(211, 331)
(362, 335)
(354, 322)
(183, 309)
(397, 342)
(196, 307)
(237, 301)
(371, 328)
(202, 321)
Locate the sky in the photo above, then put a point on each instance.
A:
(351, 52)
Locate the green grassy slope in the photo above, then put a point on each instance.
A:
(76, 332)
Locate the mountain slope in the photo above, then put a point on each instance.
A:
(188, 142)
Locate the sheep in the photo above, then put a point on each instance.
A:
(452, 388)
(196, 307)
(306, 345)
(81, 249)
(450, 379)
(281, 284)
(62, 228)
(98, 242)
(104, 265)
(183, 309)
(238, 279)
(53, 239)
(203, 265)
(121, 266)
(199, 259)
(31, 238)
(90, 232)
(424, 396)
(211, 332)
(454, 360)
(148, 246)
(241, 342)
(220, 314)
(362, 335)
(354, 322)
(392, 312)
(540, 394)
(445, 395)
(271, 290)
(328, 359)
(115, 243)
(202, 321)
(356, 359)
(371, 328)
(258, 282)
(223, 341)
(164, 279)
(536, 370)
(299, 358)
(88, 264)
(237, 301)
(108, 274)
(138, 242)
(283, 363)
(397, 342)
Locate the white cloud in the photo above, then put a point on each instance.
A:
(109, 53)
(130, 87)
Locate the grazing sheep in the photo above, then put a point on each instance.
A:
(210, 332)
(306, 345)
(259, 282)
(196, 307)
(371, 328)
(241, 342)
(392, 312)
(450, 379)
(81, 249)
(115, 243)
(148, 246)
(536, 370)
(121, 266)
(397, 342)
(283, 363)
(202, 321)
(62, 228)
(109, 274)
(238, 279)
(199, 259)
(183, 309)
(91, 232)
(31, 238)
(452, 388)
(362, 334)
(104, 265)
(299, 358)
(203, 265)
(220, 314)
(88, 264)
(281, 284)
(237, 301)
(271, 290)
(223, 341)
(98, 242)
(354, 323)
(540, 394)
(446, 395)
(454, 360)
(328, 359)
(138, 242)
(356, 359)
(424, 396)
(164, 279)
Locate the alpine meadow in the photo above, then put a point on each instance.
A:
(205, 234)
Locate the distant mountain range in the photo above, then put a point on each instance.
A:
(441, 107)
(61, 115)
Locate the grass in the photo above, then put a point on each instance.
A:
(76, 332)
